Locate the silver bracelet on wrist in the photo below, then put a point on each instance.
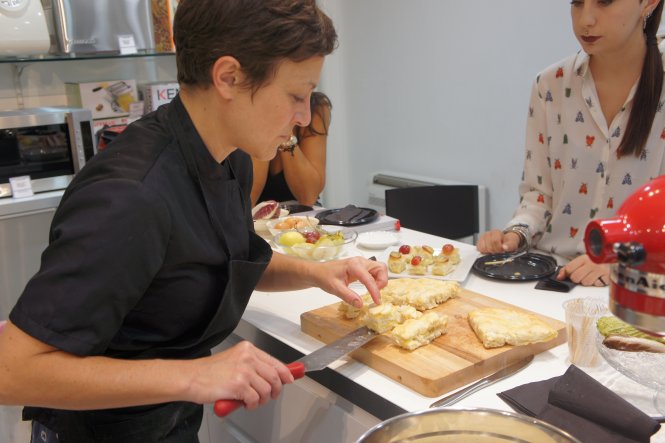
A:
(522, 231)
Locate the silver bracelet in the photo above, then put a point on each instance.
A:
(523, 231)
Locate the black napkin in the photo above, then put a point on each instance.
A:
(348, 214)
(580, 405)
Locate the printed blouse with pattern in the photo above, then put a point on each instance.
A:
(571, 172)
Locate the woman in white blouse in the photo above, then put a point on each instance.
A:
(595, 134)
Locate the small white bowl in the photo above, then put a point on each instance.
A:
(262, 225)
(274, 226)
(377, 239)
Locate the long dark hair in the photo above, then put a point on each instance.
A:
(647, 95)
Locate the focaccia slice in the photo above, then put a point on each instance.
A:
(442, 266)
(421, 331)
(384, 317)
(497, 327)
(421, 293)
(396, 263)
(349, 311)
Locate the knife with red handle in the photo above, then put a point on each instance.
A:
(315, 361)
(225, 407)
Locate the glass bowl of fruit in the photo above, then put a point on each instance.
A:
(315, 244)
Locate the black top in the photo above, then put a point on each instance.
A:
(276, 189)
(142, 248)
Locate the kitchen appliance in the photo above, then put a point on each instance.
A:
(85, 26)
(634, 242)
(23, 28)
(464, 425)
(48, 144)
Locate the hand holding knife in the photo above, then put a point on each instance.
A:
(225, 407)
(315, 361)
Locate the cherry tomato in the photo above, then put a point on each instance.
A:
(416, 259)
(447, 249)
(405, 249)
(398, 225)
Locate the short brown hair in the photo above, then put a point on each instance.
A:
(258, 33)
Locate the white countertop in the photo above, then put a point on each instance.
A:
(278, 314)
(10, 206)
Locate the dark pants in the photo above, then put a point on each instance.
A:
(42, 434)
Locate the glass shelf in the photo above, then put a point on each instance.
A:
(80, 56)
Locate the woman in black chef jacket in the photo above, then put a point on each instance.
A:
(152, 257)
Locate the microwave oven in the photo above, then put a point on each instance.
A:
(48, 144)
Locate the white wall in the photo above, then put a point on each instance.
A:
(431, 87)
(437, 88)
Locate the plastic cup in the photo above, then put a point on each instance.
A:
(581, 317)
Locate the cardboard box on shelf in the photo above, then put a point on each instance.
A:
(162, 25)
(157, 94)
(105, 99)
(99, 124)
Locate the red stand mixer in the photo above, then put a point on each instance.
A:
(634, 242)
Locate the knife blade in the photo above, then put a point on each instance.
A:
(483, 383)
(315, 361)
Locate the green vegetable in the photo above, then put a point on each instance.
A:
(613, 326)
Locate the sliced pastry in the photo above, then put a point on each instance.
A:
(442, 266)
(421, 293)
(384, 317)
(396, 263)
(421, 331)
(496, 327)
(349, 311)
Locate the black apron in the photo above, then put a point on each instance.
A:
(179, 422)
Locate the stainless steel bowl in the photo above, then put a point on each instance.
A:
(442, 425)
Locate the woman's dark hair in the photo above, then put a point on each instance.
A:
(319, 104)
(258, 33)
(647, 95)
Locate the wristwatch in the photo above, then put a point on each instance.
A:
(522, 230)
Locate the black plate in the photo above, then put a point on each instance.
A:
(529, 266)
(356, 216)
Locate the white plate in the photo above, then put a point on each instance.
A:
(646, 368)
(468, 254)
(261, 226)
(377, 239)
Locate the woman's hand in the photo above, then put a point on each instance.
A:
(496, 241)
(335, 276)
(583, 271)
(242, 372)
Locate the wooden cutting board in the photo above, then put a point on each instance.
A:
(453, 360)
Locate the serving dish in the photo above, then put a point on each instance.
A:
(646, 368)
(291, 223)
(465, 425)
(350, 215)
(261, 225)
(508, 266)
(330, 244)
(468, 254)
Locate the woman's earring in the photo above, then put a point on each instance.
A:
(646, 19)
